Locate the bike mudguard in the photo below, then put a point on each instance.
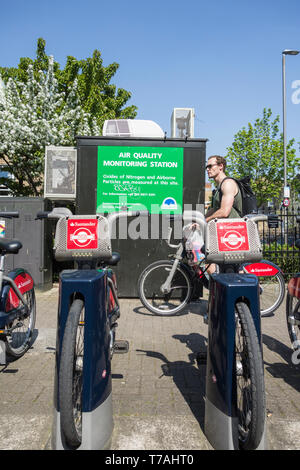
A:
(9, 300)
(261, 268)
(294, 286)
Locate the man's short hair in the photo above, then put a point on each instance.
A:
(219, 160)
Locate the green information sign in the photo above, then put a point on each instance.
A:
(140, 178)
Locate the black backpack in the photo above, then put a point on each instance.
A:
(249, 203)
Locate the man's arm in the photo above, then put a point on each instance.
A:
(209, 212)
(229, 190)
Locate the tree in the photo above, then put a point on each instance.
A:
(258, 152)
(98, 97)
(41, 105)
(34, 114)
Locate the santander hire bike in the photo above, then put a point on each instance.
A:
(235, 393)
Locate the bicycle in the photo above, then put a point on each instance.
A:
(17, 304)
(234, 334)
(293, 307)
(86, 240)
(165, 287)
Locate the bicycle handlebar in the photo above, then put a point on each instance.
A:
(188, 217)
(9, 214)
(113, 216)
(198, 218)
(56, 213)
(258, 217)
(60, 212)
(42, 215)
(117, 215)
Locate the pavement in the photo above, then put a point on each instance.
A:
(158, 386)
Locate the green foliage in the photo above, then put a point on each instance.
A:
(98, 97)
(33, 115)
(258, 152)
(285, 256)
(42, 104)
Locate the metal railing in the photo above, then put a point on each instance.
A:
(279, 243)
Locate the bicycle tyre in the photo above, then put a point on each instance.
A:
(292, 308)
(153, 299)
(266, 297)
(20, 339)
(71, 376)
(272, 291)
(250, 380)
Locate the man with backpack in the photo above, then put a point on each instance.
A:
(227, 198)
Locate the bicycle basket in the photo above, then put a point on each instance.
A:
(82, 237)
(232, 241)
(193, 243)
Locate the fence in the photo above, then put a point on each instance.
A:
(279, 243)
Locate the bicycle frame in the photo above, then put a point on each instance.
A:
(96, 287)
(294, 286)
(227, 288)
(259, 268)
(293, 292)
(293, 321)
(14, 309)
(6, 284)
(166, 286)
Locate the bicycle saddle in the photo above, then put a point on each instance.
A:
(10, 246)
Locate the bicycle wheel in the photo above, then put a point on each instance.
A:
(293, 320)
(272, 287)
(71, 375)
(18, 342)
(150, 292)
(271, 294)
(250, 380)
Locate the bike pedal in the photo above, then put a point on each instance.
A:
(121, 346)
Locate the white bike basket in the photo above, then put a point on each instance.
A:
(82, 237)
(232, 241)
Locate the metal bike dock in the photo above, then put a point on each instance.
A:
(97, 417)
(221, 420)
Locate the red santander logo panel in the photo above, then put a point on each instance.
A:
(82, 234)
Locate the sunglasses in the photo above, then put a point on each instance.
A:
(208, 167)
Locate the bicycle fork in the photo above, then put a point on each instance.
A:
(166, 286)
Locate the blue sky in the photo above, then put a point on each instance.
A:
(221, 57)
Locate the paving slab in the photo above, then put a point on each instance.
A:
(158, 387)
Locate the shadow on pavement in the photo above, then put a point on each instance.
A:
(286, 370)
(188, 376)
